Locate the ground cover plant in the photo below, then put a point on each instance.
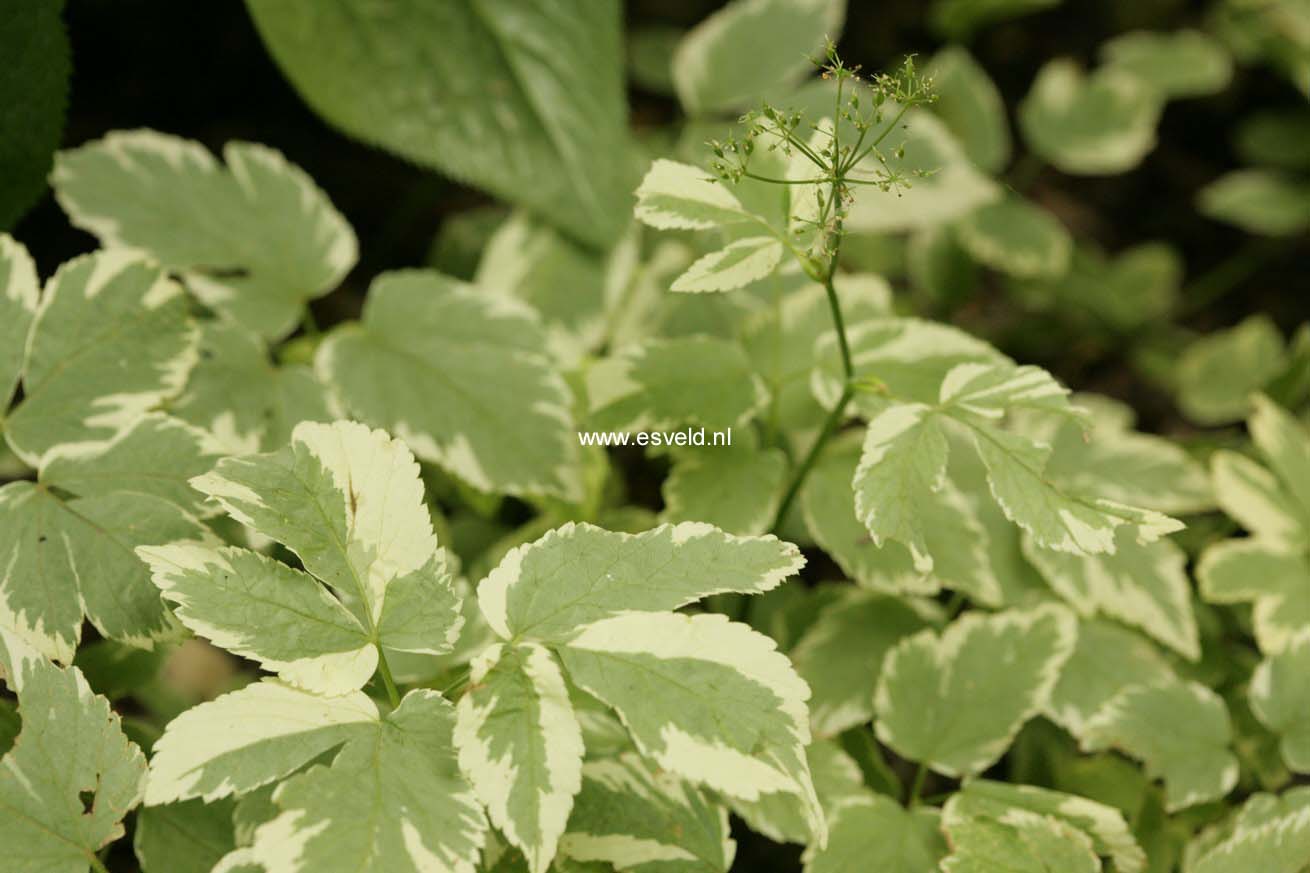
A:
(813, 438)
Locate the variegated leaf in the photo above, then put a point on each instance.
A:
(20, 292)
(111, 339)
(1280, 699)
(520, 746)
(255, 239)
(941, 700)
(709, 700)
(579, 574)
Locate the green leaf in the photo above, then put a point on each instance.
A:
(664, 384)
(251, 737)
(20, 291)
(1217, 373)
(1267, 202)
(872, 832)
(579, 574)
(111, 339)
(709, 700)
(750, 48)
(734, 489)
(1000, 802)
(46, 589)
(1179, 730)
(1255, 498)
(1141, 584)
(1133, 289)
(1281, 700)
(520, 746)
(637, 818)
(941, 701)
(530, 107)
(952, 187)
(260, 609)
(1094, 124)
(972, 107)
(1274, 580)
(33, 102)
(348, 502)
(189, 837)
(952, 531)
(902, 467)
(1276, 138)
(1185, 63)
(676, 196)
(392, 801)
(157, 456)
(71, 776)
(840, 656)
(1016, 237)
(1105, 657)
(468, 384)
(781, 817)
(1270, 834)
(1285, 444)
(1021, 841)
(255, 240)
(739, 263)
(236, 394)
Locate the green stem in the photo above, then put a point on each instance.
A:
(310, 323)
(1229, 274)
(917, 787)
(838, 322)
(97, 864)
(829, 428)
(393, 694)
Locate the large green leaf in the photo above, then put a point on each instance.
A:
(392, 801)
(255, 239)
(579, 574)
(520, 747)
(734, 489)
(71, 776)
(941, 700)
(33, 101)
(462, 375)
(525, 100)
(111, 339)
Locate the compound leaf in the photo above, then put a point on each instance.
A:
(255, 239)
